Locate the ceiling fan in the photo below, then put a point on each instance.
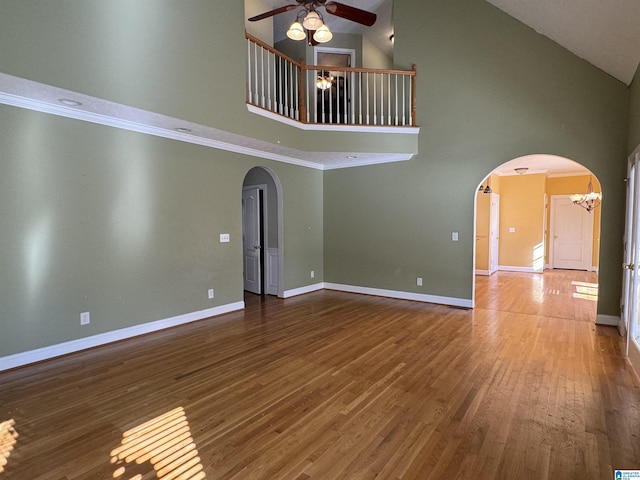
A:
(310, 18)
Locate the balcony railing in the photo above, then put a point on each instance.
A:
(326, 95)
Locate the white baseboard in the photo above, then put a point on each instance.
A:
(418, 297)
(610, 320)
(510, 268)
(483, 272)
(302, 290)
(634, 356)
(45, 353)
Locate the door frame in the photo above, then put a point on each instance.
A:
(630, 276)
(280, 210)
(263, 234)
(342, 51)
(494, 243)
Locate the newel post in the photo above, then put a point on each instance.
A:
(413, 95)
(301, 90)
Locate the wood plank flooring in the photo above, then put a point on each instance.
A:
(332, 385)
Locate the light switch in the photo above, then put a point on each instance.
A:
(454, 236)
(512, 229)
(224, 237)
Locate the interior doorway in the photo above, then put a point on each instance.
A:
(335, 85)
(535, 212)
(262, 232)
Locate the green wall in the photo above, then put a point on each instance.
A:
(634, 113)
(489, 89)
(126, 226)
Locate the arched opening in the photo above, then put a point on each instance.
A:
(528, 229)
(262, 233)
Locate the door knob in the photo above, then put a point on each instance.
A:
(627, 266)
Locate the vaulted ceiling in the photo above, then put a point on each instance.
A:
(604, 33)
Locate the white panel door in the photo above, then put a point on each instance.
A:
(631, 281)
(571, 234)
(251, 246)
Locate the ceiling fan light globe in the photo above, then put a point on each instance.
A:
(312, 21)
(323, 34)
(296, 32)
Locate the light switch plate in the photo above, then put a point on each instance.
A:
(224, 237)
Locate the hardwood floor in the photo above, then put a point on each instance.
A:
(332, 385)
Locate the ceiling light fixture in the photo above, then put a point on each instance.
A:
(69, 103)
(521, 170)
(324, 82)
(312, 21)
(589, 200)
(486, 189)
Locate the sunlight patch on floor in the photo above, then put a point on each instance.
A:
(165, 443)
(8, 439)
(585, 291)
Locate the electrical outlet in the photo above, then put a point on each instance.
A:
(224, 238)
(419, 281)
(85, 318)
(313, 274)
(210, 293)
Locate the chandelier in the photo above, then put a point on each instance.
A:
(311, 20)
(589, 200)
(324, 82)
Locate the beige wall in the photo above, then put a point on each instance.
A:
(522, 221)
(522, 207)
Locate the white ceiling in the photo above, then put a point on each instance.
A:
(606, 33)
(550, 165)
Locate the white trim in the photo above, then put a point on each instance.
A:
(331, 128)
(418, 297)
(511, 268)
(302, 290)
(146, 128)
(483, 272)
(610, 320)
(46, 353)
(634, 355)
(273, 271)
(23, 93)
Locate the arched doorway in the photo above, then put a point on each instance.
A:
(262, 232)
(527, 224)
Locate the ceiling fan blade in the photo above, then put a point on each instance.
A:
(351, 13)
(273, 12)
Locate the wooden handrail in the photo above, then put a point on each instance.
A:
(408, 73)
(268, 47)
(297, 106)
